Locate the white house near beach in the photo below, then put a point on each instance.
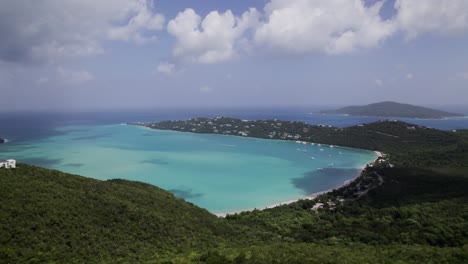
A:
(8, 164)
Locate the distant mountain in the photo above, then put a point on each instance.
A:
(2, 140)
(392, 109)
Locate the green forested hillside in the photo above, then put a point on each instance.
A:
(48, 215)
(415, 212)
(45, 216)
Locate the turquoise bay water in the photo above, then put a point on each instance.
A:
(216, 172)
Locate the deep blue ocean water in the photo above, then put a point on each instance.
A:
(220, 173)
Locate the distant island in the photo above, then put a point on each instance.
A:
(2, 140)
(392, 109)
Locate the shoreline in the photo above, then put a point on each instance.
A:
(307, 197)
(252, 138)
(310, 196)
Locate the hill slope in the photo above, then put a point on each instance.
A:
(392, 109)
(48, 215)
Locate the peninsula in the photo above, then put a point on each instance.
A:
(392, 109)
(389, 136)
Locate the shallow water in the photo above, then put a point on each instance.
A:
(216, 172)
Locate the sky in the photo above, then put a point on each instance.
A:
(137, 54)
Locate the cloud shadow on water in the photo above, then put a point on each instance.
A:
(43, 162)
(310, 180)
(76, 165)
(156, 162)
(91, 137)
(185, 193)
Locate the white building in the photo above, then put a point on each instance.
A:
(8, 164)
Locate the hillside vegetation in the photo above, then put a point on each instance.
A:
(413, 213)
(392, 109)
(407, 144)
(47, 215)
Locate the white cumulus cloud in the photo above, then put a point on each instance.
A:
(332, 26)
(142, 22)
(166, 68)
(211, 39)
(308, 26)
(47, 30)
(205, 89)
(432, 16)
(74, 76)
(379, 82)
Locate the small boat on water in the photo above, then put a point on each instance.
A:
(340, 153)
(330, 165)
(331, 146)
(312, 158)
(313, 144)
(298, 142)
(321, 149)
(320, 169)
(303, 142)
(319, 145)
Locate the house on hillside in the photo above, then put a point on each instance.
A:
(8, 164)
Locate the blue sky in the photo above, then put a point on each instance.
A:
(128, 54)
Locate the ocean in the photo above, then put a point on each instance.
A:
(220, 173)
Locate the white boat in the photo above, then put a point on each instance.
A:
(298, 142)
(304, 142)
(313, 144)
(321, 149)
(340, 153)
(319, 145)
(331, 146)
(312, 158)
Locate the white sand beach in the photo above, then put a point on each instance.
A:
(313, 195)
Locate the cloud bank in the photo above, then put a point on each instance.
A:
(53, 30)
(35, 33)
(311, 26)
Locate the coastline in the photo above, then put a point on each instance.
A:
(310, 196)
(307, 197)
